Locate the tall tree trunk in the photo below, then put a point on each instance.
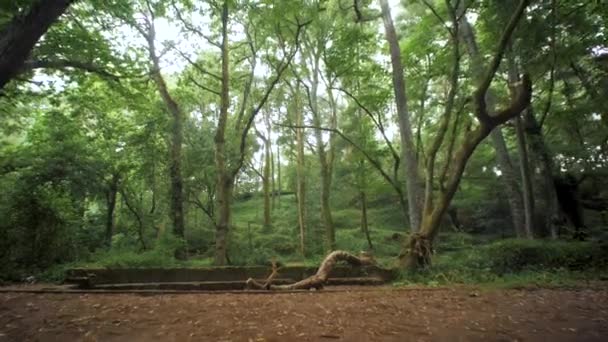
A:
(508, 177)
(528, 192)
(175, 148)
(273, 185)
(418, 251)
(177, 197)
(364, 224)
(266, 183)
(19, 37)
(269, 174)
(509, 180)
(301, 179)
(544, 163)
(225, 181)
(408, 149)
(325, 167)
(279, 175)
(224, 197)
(111, 194)
(524, 166)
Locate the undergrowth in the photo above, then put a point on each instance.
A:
(460, 258)
(514, 262)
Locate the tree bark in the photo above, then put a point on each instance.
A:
(300, 165)
(524, 164)
(509, 181)
(225, 181)
(278, 195)
(19, 37)
(528, 193)
(266, 183)
(324, 162)
(364, 223)
(111, 194)
(175, 148)
(544, 162)
(273, 185)
(408, 148)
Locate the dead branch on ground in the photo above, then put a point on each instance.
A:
(317, 280)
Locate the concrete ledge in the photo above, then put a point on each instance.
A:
(85, 277)
(226, 285)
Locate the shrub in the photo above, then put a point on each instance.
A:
(351, 240)
(514, 255)
(279, 243)
(123, 256)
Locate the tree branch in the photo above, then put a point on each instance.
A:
(441, 20)
(196, 65)
(283, 65)
(205, 210)
(449, 153)
(443, 127)
(372, 161)
(377, 123)
(480, 94)
(192, 28)
(204, 87)
(553, 64)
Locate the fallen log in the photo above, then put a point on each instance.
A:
(317, 280)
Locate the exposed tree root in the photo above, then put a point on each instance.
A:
(319, 279)
(417, 253)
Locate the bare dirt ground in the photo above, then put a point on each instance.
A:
(379, 314)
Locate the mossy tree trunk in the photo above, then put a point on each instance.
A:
(176, 131)
(323, 154)
(225, 180)
(364, 223)
(300, 166)
(408, 148)
(524, 160)
(544, 163)
(266, 182)
(418, 248)
(111, 195)
(279, 186)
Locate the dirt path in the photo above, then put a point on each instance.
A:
(380, 315)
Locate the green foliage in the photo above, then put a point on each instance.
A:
(454, 242)
(123, 256)
(43, 206)
(69, 136)
(514, 255)
(515, 262)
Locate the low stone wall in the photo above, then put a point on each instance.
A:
(214, 274)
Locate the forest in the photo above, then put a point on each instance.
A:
(458, 140)
(303, 170)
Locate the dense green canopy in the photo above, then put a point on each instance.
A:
(236, 131)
